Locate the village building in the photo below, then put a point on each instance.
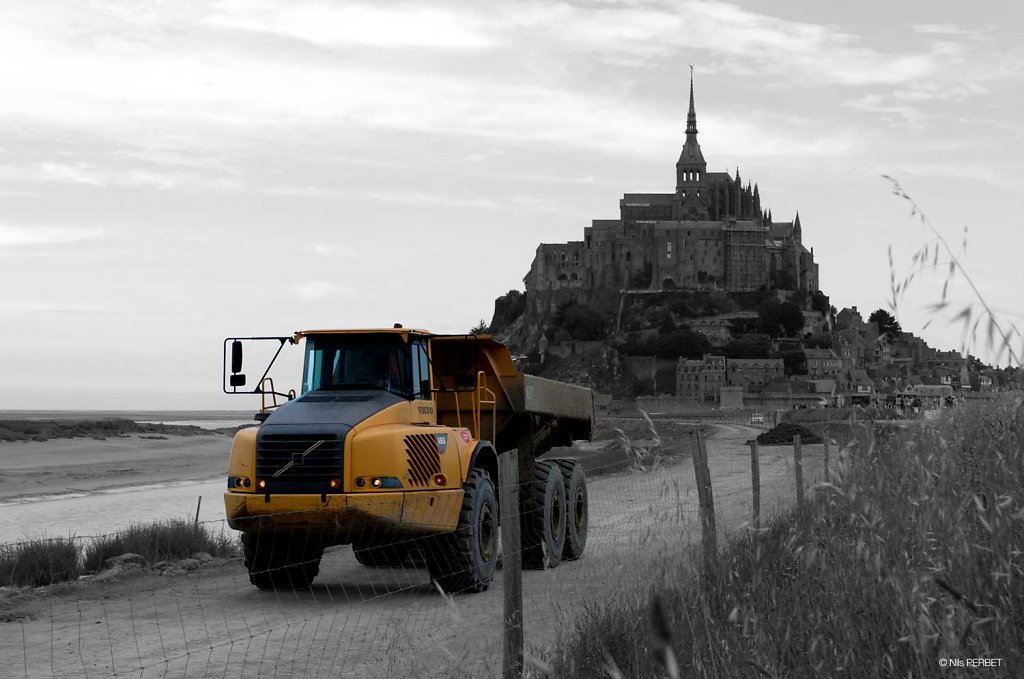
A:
(744, 372)
(822, 362)
(702, 381)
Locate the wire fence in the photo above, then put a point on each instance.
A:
(344, 610)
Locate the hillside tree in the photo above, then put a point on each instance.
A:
(885, 322)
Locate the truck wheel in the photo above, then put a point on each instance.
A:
(381, 556)
(277, 561)
(576, 509)
(544, 529)
(465, 560)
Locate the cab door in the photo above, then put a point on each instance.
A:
(424, 409)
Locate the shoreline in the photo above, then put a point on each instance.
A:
(135, 415)
(61, 467)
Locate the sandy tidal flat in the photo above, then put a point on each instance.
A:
(106, 483)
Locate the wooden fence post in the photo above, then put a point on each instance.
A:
(707, 504)
(198, 505)
(512, 566)
(755, 481)
(799, 468)
(828, 478)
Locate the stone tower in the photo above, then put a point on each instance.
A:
(691, 171)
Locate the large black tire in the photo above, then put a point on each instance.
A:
(544, 527)
(465, 560)
(277, 561)
(577, 514)
(391, 555)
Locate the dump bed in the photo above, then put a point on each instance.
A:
(481, 386)
(540, 396)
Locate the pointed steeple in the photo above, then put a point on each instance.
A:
(797, 231)
(691, 117)
(691, 169)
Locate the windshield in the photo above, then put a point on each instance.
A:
(359, 362)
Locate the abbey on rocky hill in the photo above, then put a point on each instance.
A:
(711, 234)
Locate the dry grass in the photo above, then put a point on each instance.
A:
(159, 541)
(643, 454)
(914, 553)
(38, 562)
(937, 255)
(45, 561)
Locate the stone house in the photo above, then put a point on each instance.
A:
(822, 362)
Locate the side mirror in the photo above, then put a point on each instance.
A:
(236, 358)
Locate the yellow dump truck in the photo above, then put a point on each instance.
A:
(392, 445)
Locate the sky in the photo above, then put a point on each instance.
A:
(173, 173)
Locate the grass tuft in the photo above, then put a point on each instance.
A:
(41, 561)
(159, 541)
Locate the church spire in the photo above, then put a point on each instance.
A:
(691, 169)
(691, 117)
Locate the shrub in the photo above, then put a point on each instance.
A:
(819, 302)
(160, 541)
(747, 349)
(678, 343)
(40, 561)
(780, 318)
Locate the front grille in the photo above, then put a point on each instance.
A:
(424, 458)
(299, 463)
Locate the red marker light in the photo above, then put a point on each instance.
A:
(335, 483)
(440, 479)
(261, 483)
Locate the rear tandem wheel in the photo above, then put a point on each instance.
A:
(544, 527)
(576, 508)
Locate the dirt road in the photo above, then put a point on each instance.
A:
(363, 622)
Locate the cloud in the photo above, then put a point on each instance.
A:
(432, 200)
(356, 25)
(11, 235)
(737, 38)
(305, 191)
(52, 307)
(940, 91)
(1003, 176)
(186, 93)
(93, 174)
(941, 29)
(873, 103)
(315, 290)
(335, 251)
